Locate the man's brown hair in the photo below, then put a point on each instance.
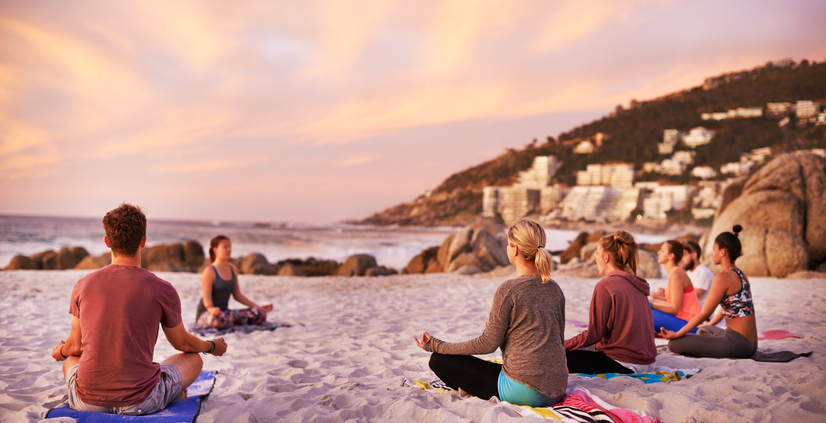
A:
(125, 227)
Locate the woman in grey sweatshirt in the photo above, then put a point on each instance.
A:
(527, 322)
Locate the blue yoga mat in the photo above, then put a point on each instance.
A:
(185, 410)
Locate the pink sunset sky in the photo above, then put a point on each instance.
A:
(317, 111)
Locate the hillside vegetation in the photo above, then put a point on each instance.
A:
(632, 136)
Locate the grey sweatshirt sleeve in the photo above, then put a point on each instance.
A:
(490, 339)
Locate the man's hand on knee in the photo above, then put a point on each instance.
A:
(220, 346)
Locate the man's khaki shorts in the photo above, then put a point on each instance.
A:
(166, 391)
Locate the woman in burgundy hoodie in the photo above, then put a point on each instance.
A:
(620, 325)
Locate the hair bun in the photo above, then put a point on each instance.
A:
(736, 229)
(622, 237)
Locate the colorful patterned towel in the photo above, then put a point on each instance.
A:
(579, 405)
(776, 334)
(185, 410)
(213, 332)
(660, 374)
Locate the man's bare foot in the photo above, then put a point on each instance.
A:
(182, 396)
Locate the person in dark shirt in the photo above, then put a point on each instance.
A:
(218, 282)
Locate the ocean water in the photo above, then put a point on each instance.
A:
(391, 245)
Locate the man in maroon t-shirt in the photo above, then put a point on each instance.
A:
(116, 312)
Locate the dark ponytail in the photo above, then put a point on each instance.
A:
(730, 241)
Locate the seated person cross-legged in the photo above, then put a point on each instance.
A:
(679, 304)
(116, 312)
(218, 282)
(619, 325)
(527, 322)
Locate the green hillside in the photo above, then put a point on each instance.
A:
(633, 134)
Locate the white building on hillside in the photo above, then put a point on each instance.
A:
(697, 136)
(736, 168)
(611, 174)
(778, 110)
(749, 112)
(758, 155)
(678, 162)
(707, 199)
(651, 167)
(665, 198)
(670, 138)
(540, 174)
(598, 203)
(807, 110)
(703, 172)
(532, 192)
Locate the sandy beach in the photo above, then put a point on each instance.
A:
(351, 345)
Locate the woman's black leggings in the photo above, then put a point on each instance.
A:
(593, 362)
(477, 377)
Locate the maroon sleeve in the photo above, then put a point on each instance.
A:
(171, 305)
(74, 303)
(601, 306)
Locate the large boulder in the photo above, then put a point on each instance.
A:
(588, 253)
(579, 270)
(461, 243)
(441, 256)
(466, 259)
(574, 247)
(20, 262)
(37, 259)
(93, 263)
(433, 266)
(595, 236)
(79, 252)
(357, 265)
(255, 264)
(473, 250)
(417, 264)
(422, 261)
(66, 259)
(193, 253)
(309, 267)
(163, 257)
(489, 250)
(377, 271)
(48, 261)
(647, 266)
(289, 269)
(781, 210)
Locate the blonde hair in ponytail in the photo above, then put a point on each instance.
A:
(529, 237)
(622, 248)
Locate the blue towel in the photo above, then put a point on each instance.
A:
(185, 410)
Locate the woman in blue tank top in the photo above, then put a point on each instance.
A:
(218, 282)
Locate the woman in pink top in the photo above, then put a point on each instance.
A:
(674, 307)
